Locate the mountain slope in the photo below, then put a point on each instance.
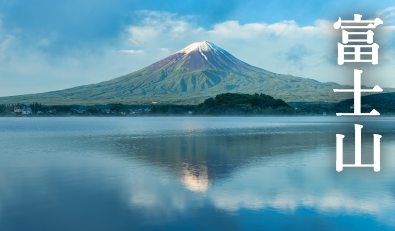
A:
(191, 75)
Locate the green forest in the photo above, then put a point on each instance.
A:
(243, 104)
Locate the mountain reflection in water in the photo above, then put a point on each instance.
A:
(193, 173)
(195, 179)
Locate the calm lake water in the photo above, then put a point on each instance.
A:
(187, 173)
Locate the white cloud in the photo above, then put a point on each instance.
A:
(233, 29)
(155, 24)
(133, 51)
(386, 13)
(137, 43)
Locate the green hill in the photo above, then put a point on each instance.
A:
(242, 104)
(383, 103)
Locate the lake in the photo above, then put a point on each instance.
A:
(193, 173)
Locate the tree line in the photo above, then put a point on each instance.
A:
(243, 104)
(222, 104)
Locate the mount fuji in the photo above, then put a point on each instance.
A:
(197, 72)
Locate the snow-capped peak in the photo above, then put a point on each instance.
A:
(201, 55)
(201, 46)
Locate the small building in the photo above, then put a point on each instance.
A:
(27, 111)
(53, 111)
(105, 111)
(18, 109)
(23, 110)
(147, 109)
(189, 112)
(80, 111)
(324, 114)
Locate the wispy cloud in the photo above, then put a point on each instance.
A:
(297, 55)
(133, 51)
(387, 13)
(155, 24)
(137, 43)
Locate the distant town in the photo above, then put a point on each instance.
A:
(26, 110)
(37, 109)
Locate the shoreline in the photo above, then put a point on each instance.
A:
(175, 115)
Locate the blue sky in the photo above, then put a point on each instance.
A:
(51, 45)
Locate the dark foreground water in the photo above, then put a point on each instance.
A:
(185, 173)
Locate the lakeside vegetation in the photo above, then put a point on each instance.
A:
(222, 104)
(36, 109)
(243, 104)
